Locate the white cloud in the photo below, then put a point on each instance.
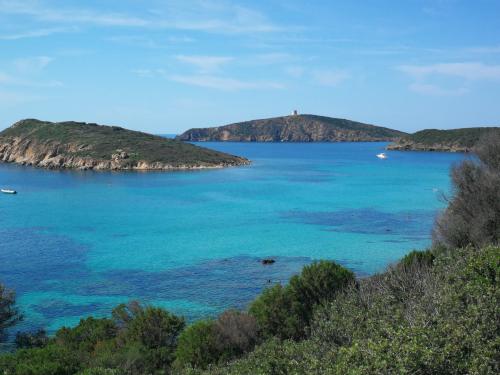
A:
(180, 39)
(35, 33)
(205, 64)
(201, 15)
(222, 83)
(32, 64)
(271, 58)
(466, 70)
(430, 89)
(295, 71)
(329, 77)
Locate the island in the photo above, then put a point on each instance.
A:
(453, 140)
(79, 145)
(294, 128)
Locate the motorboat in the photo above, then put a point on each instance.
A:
(8, 191)
(382, 156)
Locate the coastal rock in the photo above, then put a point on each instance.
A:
(91, 147)
(267, 261)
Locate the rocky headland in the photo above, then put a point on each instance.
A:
(294, 128)
(453, 140)
(77, 145)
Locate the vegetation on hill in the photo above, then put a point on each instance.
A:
(433, 312)
(455, 140)
(82, 145)
(295, 128)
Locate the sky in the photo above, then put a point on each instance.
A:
(164, 66)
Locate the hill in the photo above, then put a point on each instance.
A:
(90, 146)
(453, 140)
(295, 128)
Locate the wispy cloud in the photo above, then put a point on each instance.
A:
(205, 64)
(32, 64)
(431, 89)
(329, 77)
(223, 83)
(201, 15)
(295, 71)
(36, 33)
(465, 70)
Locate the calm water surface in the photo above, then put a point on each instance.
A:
(78, 243)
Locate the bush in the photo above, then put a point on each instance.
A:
(197, 346)
(285, 312)
(235, 333)
(28, 340)
(473, 214)
(207, 342)
(9, 315)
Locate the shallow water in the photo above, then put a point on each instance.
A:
(78, 243)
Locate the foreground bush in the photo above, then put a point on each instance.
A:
(285, 312)
(138, 340)
(207, 342)
(473, 214)
(426, 318)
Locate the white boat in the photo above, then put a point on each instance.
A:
(382, 156)
(8, 191)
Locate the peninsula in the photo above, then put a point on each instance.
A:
(294, 128)
(453, 140)
(79, 145)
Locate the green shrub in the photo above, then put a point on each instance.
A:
(285, 312)
(196, 346)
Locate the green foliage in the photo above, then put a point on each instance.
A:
(473, 214)
(415, 318)
(206, 342)
(9, 315)
(420, 258)
(101, 142)
(197, 346)
(465, 137)
(138, 340)
(285, 312)
(27, 340)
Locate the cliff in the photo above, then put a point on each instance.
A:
(453, 140)
(295, 128)
(77, 145)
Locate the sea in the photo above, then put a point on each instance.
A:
(78, 243)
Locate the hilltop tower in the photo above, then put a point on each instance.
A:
(295, 112)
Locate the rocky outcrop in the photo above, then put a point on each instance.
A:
(89, 146)
(295, 128)
(57, 156)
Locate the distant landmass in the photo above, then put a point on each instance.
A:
(294, 128)
(453, 140)
(79, 145)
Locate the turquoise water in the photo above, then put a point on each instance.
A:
(78, 243)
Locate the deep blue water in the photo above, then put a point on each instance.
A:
(78, 243)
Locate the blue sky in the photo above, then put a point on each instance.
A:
(164, 66)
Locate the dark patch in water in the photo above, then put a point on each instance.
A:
(53, 309)
(30, 258)
(220, 284)
(411, 224)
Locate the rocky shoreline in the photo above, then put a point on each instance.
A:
(53, 155)
(403, 145)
